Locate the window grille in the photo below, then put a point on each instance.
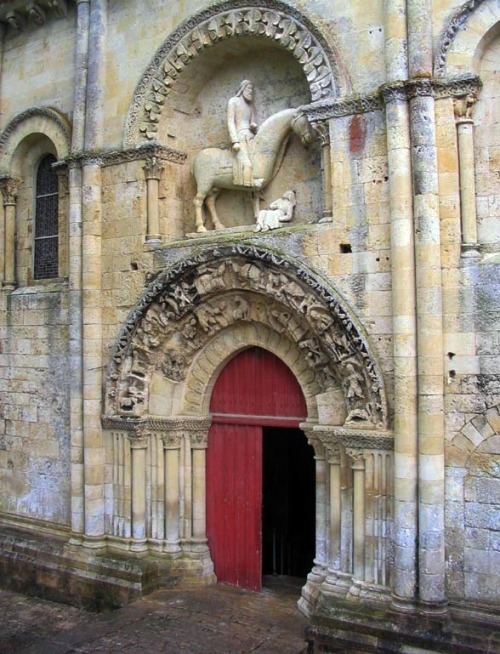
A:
(46, 221)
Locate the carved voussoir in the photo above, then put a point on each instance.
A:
(189, 304)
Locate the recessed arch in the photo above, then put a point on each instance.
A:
(242, 288)
(465, 36)
(29, 127)
(270, 21)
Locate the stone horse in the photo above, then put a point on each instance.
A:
(212, 168)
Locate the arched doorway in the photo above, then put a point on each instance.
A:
(260, 473)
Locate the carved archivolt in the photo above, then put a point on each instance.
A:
(189, 304)
(268, 19)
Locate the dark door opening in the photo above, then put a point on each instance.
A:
(288, 511)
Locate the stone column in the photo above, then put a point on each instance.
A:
(320, 561)
(153, 169)
(358, 510)
(138, 445)
(404, 346)
(96, 75)
(92, 353)
(429, 346)
(171, 445)
(81, 64)
(2, 35)
(75, 256)
(323, 132)
(10, 188)
(465, 125)
(199, 443)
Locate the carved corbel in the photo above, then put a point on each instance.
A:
(15, 20)
(59, 7)
(36, 13)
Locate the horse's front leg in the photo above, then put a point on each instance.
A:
(211, 198)
(198, 206)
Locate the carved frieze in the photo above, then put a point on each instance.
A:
(148, 152)
(187, 305)
(339, 107)
(267, 19)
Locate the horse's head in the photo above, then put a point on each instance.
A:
(301, 127)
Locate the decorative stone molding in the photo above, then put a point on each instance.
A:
(355, 438)
(149, 151)
(393, 92)
(266, 19)
(157, 424)
(35, 112)
(337, 108)
(187, 305)
(448, 34)
(418, 88)
(457, 87)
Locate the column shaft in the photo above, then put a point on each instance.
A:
(335, 513)
(199, 496)
(358, 468)
(172, 496)
(467, 182)
(10, 246)
(138, 447)
(96, 79)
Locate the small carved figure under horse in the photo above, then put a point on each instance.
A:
(212, 168)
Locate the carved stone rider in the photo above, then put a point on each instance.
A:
(242, 128)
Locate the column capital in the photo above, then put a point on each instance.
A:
(463, 107)
(172, 440)
(420, 87)
(138, 440)
(9, 187)
(394, 92)
(357, 456)
(322, 131)
(153, 168)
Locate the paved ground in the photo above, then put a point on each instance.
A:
(215, 620)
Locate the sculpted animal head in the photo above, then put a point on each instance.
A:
(300, 125)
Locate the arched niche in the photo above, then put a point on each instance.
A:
(203, 310)
(33, 128)
(269, 22)
(465, 36)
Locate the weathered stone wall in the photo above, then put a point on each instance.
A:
(34, 437)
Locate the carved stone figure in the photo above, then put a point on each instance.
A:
(242, 129)
(212, 168)
(280, 211)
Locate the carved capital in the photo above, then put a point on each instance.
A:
(419, 88)
(463, 106)
(322, 131)
(139, 440)
(199, 439)
(9, 186)
(393, 92)
(153, 168)
(358, 458)
(172, 440)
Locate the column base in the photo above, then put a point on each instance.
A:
(470, 251)
(9, 286)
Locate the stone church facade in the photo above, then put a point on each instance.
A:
(132, 274)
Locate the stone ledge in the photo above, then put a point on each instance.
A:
(49, 567)
(360, 629)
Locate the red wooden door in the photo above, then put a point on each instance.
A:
(254, 389)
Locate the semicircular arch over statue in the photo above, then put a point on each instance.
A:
(189, 307)
(272, 21)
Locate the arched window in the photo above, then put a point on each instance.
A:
(46, 254)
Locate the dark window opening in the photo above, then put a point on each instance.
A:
(46, 245)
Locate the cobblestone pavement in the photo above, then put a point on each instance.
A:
(216, 620)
